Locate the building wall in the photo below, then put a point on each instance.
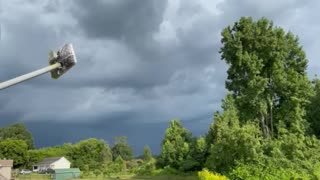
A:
(62, 163)
(6, 172)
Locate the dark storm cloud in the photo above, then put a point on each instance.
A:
(107, 131)
(139, 57)
(120, 19)
(140, 63)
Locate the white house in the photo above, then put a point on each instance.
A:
(5, 169)
(53, 163)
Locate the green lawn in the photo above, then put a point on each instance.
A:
(33, 176)
(129, 177)
(148, 178)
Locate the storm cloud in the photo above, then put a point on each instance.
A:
(140, 63)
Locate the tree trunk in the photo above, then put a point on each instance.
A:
(271, 117)
(263, 126)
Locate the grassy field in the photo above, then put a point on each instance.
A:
(149, 178)
(157, 177)
(129, 177)
(33, 176)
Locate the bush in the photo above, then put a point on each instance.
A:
(270, 168)
(207, 175)
(167, 170)
(189, 165)
(132, 164)
(146, 169)
(238, 144)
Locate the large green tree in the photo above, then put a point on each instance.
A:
(17, 131)
(269, 94)
(266, 75)
(90, 153)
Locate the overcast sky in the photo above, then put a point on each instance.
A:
(141, 63)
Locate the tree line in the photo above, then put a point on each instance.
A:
(269, 126)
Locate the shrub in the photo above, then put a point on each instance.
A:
(207, 175)
(146, 169)
(132, 164)
(189, 165)
(270, 168)
(167, 170)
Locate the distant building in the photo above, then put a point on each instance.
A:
(5, 169)
(53, 163)
(61, 174)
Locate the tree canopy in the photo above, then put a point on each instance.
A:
(17, 131)
(267, 75)
(16, 150)
(90, 152)
(122, 148)
(175, 145)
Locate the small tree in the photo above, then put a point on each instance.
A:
(175, 145)
(122, 148)
(147, 156)
(118, 166)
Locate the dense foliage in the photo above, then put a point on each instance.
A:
(147, 155)
(14, 149)
(122, 148)
(207, 175)
(270, 115)
(175, 145)
(90, 154)
(313, 110)
(17, 131)
(270, 94)
(267, 75)
(269, 126)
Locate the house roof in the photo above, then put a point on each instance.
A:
(7, 163)
(73, 170)
(48, 161)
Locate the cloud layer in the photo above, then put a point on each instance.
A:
(140, 63)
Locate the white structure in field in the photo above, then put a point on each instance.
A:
(53, 163)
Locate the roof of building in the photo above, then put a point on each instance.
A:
(48, 161)
(68, 170)
(7, 163)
